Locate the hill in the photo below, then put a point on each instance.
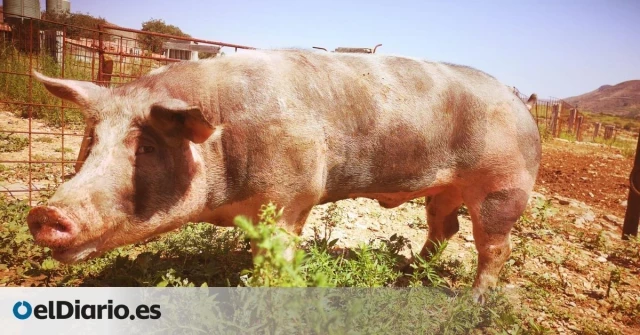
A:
(622, 99)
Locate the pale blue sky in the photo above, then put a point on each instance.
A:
(553, 48)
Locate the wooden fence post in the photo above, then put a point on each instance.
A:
(554, 120)
(559, 127)
(596, 129)
(579, 128)
(549, 118)
(572, 119)
(608, 132)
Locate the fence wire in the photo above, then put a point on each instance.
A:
(43, 140)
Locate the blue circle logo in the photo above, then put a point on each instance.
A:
(16, 310)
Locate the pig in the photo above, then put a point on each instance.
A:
(209, 140)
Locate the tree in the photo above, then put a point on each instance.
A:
(77, 23)
(205, 55)
(154, 43)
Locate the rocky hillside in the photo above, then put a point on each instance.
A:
(622, 99)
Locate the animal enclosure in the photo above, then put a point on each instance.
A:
(108, 56)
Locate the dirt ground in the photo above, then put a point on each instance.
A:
(564, 256)
(595, 174)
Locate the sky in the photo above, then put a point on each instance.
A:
(553, 48)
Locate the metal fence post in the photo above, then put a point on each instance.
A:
(100, 55)
(632, 214)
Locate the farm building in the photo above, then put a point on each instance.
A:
(186, 50)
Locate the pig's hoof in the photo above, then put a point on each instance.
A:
(479, 298)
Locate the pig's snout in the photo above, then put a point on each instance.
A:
(51, 227)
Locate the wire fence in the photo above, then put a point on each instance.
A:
(559, 119)
(44, 140)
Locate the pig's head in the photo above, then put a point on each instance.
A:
(144, 176)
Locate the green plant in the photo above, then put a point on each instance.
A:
(524, 251)
(592, 327)
(537, 219)
(545, 281)
(17, 250)
(370, 265)
(17, 243)
(66, 150)
(43, 139)
(427, 269)
(34, 100)
(626, 304)
(78, 25)
(599, 242)
(463, 275)
(568, 136)
(154, 43)
(271, 266)
(558, 260)
(332, 217)
(170, 279)
(631, 247)
(11, 143)
(536, 328)
(16, 87)
(615, 277)
(510, 323)
(543, 210)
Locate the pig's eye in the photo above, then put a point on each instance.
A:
(145, 149)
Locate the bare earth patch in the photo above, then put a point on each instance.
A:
(595, 174)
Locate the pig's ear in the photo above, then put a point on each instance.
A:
(78, 92)
(176, 119)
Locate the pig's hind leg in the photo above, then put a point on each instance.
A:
(442, 219)
(494, 210)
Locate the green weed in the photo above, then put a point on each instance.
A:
(592, 327)
(271, 266)
(10, 143)
(66, 150)
(427, 269)
(43, 139)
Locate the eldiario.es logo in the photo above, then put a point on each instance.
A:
(62, 310)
